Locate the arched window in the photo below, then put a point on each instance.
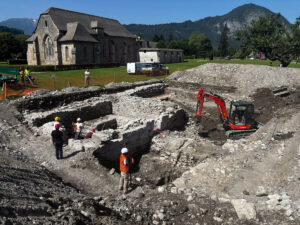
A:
(49, 51)
(67, 53)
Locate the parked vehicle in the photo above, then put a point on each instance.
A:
(149, 69)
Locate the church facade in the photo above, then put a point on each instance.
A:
(65, 37)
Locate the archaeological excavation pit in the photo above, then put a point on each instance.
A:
(155, 121)
(126, 119)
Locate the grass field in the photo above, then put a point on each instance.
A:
(103, 76)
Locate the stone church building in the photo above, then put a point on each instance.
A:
(65, 37)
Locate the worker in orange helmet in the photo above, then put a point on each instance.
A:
(125, 164)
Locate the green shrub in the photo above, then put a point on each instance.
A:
(49, 68)
(16, 61)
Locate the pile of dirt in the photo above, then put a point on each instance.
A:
(246, 78)
(267, 105)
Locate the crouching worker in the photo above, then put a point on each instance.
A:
(125, 163)
(57, 140)
(90, 134)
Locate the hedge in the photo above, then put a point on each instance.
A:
(16, 61)
(44, 68)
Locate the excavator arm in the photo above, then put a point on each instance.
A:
(217, 99)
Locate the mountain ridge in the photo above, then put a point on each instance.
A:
(212, 27)
(26, 24)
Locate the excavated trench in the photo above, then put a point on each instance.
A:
(116, 129)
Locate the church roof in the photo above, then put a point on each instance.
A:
(32, 38)
(77, 32)
(62, 17)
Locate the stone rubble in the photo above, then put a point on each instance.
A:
(180, 177)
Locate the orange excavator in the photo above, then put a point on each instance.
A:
(240, 119)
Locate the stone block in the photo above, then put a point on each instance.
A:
(107, 124)
(175, 119)
(244, 209)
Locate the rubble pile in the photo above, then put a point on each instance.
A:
(178, 176)
(244, 78)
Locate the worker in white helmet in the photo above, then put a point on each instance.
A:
(78, 126)
(125, 164)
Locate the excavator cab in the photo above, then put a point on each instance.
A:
(241, 115)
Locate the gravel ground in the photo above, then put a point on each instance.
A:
(180, 178)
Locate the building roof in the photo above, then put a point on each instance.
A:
(160, 49)
(77, 32)
(62, 17)
(32, 38)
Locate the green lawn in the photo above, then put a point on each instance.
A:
(103, 76)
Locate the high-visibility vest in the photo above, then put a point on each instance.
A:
(124, 164)
(27, 73)
(74, 126)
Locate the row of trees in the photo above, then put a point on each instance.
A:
(198, 45)
(267, 35)
(12, 46)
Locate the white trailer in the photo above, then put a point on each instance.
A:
(150, 69)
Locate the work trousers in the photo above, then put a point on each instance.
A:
(77, 135)
(59, 152)
(123, 182)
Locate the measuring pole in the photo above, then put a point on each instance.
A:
(53, 81)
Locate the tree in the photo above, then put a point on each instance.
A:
(201, 45)
(8, 46)
(223, 46)
(187, 49)
(231, 50)
(270, 36)
(10, 30)
(161, 44)
(155, 38)
(295, 29)
(161, 37)
(173, 45)
(170, 38)
(22, 46)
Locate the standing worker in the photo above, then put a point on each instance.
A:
(63, 129)
(57, 140)
(21, 73)
(87, 77)
(125, 162)
(78, 128)
(27, 74)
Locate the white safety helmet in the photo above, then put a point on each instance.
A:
(124, 150)
(78, 119)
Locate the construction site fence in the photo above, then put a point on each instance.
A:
(8, 90)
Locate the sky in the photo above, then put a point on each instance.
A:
(144, 11)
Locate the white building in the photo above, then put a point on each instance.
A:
(160, 55)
